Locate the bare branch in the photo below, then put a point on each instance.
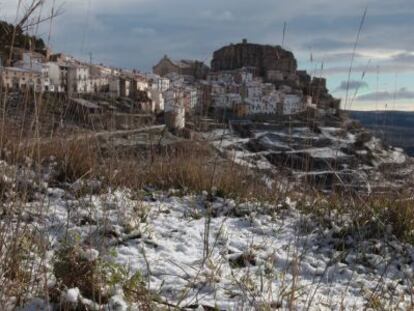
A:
(27, 21)
(29, 12)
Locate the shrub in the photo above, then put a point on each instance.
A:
(96, 278)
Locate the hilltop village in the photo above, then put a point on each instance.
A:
(244, 81)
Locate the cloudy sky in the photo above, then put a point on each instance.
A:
(137, 33)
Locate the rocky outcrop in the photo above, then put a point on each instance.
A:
(328, 156)
(264, 58)
(320, 93)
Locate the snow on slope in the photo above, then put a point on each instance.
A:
(255, 254)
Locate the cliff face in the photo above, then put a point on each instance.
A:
(264, 57)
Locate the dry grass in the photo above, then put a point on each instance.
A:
(370, 216)
(18, 266)
(74, 159)
(395, 213)
(191, 166)
(191, 169)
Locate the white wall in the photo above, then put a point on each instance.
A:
(292, 104)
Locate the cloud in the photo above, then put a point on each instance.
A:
(352, 85)
(339, 57)
(225, 16)
(143, 31)
(405, 57)
(402, 94)
(195, 29)
(380, 67)
(327, 44)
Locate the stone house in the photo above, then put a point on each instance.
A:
(196, 69)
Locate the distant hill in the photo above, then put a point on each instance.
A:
(394, 127)
(21, 40)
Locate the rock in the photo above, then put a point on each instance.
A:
(237, 261)
(72, 295)
(117, 303)
(33, 305)
(90, 254)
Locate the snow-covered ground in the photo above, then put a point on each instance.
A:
(202, 250)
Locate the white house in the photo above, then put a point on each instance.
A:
(35, 62)
(292, 104)
(142, 83)
(21, 79)
(157, 98)
(159, 83)
(32, 61)
(57, 77)
(254, 89)
(191, 97)
(174, 108)
(227, 101)
(119, 86)
(270, 102)
(78, 79)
